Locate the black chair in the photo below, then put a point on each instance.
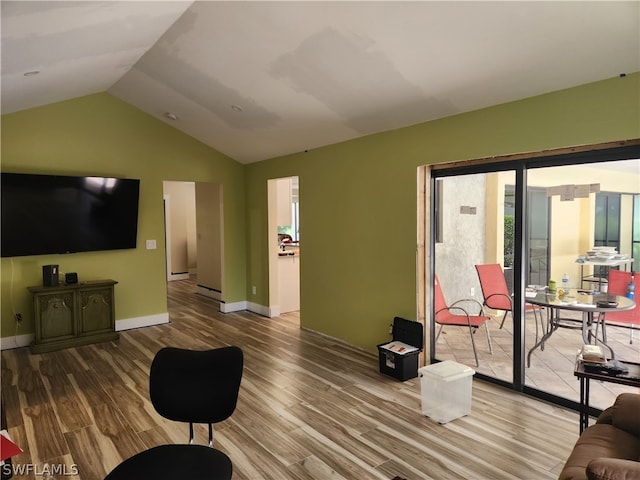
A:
(193, 387)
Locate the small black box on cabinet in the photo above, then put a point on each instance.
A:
(70, 278)
(399, 358)
(50, 276)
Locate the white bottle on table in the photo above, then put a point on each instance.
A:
(565, 282)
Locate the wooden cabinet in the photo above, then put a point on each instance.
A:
(72, 315)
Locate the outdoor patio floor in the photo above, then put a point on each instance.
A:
(551, 369)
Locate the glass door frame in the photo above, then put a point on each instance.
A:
(519, 164)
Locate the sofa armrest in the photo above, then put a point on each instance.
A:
(625, 413)
(613, 469)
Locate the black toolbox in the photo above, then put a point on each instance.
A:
(394, 360)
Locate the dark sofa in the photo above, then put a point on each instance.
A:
(609, 449)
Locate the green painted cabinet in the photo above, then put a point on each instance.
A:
(72, 315)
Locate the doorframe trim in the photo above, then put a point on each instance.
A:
(541, 154)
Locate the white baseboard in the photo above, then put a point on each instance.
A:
(177, 276)
(274, 311)
(208, 292)
(25, 340)
(233, 307)
(138, 322)
(250, 306)
(259, 309)
(263, 310)
(17, 341)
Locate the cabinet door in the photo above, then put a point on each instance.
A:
(95, 310)
(55, 312)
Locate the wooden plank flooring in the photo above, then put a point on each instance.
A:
(310, 407)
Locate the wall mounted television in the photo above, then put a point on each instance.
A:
(55, 214)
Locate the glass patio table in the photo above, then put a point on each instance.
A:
(585, 303)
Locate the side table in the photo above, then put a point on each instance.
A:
(632, 379)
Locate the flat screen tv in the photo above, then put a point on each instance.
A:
(54, 214)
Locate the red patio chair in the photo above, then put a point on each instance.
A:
(618, 282)
(444, 316)
(495, 292)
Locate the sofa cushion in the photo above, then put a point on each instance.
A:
(600, 440)
(613, 469)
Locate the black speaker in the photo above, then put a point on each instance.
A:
(50, 276)
(70, 278)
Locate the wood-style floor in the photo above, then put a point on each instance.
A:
(310, 407)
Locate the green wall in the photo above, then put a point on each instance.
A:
(358, 199)
(101, 135)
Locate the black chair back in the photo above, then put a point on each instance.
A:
(196, 386)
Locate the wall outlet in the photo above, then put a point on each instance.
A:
(151, 245)
(253, 290)
(472, 292)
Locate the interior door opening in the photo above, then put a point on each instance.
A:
(284, 245)
(194, 233)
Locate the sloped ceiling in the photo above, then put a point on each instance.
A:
(256, 80)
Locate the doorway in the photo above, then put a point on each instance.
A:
(555, 206)
(284, 245)
(194, 234)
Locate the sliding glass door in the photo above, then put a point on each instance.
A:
(476, 219)
(590, 206)
(529, 222)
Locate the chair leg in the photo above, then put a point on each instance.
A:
(438, 334)
(601, 321)
(486, 327)
(504, 317)
(535, 320)
(473, 343)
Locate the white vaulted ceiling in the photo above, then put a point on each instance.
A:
(256, 80)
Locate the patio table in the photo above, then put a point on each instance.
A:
(588, 306)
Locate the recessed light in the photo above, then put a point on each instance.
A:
(171, 116)
(31, 73)
(236, 108)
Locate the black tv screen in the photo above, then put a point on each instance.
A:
(52, 214)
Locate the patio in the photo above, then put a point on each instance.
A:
(551, 369)
(568, 212)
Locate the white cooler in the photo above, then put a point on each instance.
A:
(446, 390)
